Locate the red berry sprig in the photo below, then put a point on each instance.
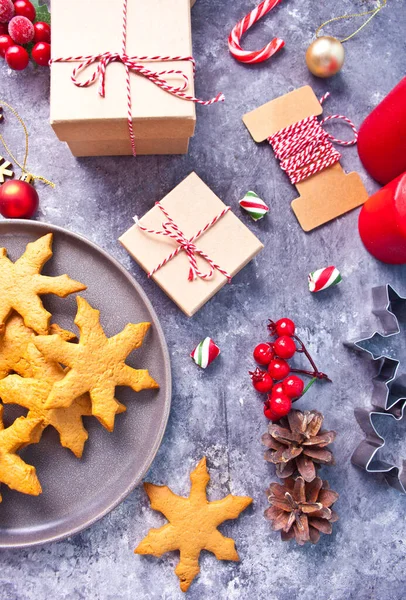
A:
(21, 34)
(280, 382)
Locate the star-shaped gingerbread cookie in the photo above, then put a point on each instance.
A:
(192, 526)
(21, 285)
(32, 392)
(96, 364)
(14, 472)
(14, 343)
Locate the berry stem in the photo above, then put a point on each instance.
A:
(316, 373)
(308, 386)
(305, 352)
(271, 327)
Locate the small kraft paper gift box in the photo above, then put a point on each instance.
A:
(191, 244)
(99, 50)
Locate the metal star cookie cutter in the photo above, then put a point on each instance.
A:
(365, 454)
(389, 389)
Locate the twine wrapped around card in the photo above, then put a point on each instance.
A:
(305, 148)
(170, 229)
(134, 64)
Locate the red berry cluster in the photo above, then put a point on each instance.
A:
(279, 382)
(17, 29)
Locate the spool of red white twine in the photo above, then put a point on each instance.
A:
(305, 148)
(234, 39)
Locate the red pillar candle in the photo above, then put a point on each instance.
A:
(382, 137)
(382, 222)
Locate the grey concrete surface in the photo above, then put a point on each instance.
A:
(216, 412)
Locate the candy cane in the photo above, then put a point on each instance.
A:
(247, 56)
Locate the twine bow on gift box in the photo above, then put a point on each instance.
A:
(134, 64)
(171, 229)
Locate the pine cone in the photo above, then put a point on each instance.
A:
(301, 510)
(296, 443)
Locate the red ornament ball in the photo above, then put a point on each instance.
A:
(285, 327)
(5, 43)
(42, 32)
(6, 11)
(41, 54)
(25, 8)
(278, 369)
(279, 406)
(263, 354)
(17, 58)
(284, 347)
(293, 386)
(18, 200)
(21, 30)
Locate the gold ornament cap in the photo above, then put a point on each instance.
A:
(27, 177)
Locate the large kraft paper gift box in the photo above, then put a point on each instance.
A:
(228, 243)
(96, 126)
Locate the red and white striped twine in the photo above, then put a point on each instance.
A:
(305, 148)
(234, 39)
(134, 64)
(170, 229)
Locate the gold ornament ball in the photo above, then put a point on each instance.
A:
(325, 56)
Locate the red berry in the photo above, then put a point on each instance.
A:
(17, 58)
(278, 369)
(41, 54)
(42, 32)
(285, 327)
(293, 386)
(269, 413)
(277, 389)
(25, 9)
(280, 405)
(5, 43)
(263, 354)
(21, 30)
(262, 381)
(284, 347)
(6, 11)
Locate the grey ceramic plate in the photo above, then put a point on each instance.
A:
(76, 493)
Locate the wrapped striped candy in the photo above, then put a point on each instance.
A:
(254, 206)
(205, 353)
(324, 278)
